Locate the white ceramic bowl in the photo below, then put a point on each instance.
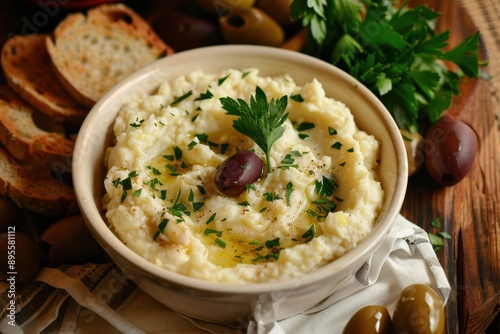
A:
(226, 303)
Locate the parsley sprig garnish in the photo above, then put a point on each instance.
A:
(261, 121)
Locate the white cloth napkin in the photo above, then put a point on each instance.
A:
(91, 299)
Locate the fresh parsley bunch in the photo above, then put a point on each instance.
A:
(393, 50)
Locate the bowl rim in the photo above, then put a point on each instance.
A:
(92, 214)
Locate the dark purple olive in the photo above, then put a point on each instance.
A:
(419, 310)
(372, 319)
(236, 172)
(450, 149)
(20, 256)
(183, 32)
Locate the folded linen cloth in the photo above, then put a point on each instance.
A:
(100, 299)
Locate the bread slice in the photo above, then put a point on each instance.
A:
(22, 134)
(27, 68)
(35, 189)
(93, 52)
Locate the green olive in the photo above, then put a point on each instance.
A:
(251, 26)
(279, 10)
(20, 256)
(414, 150)
(220, 8)
(372, 319)
(419, 310)
(10, 213)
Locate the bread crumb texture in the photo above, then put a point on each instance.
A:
(92, 52)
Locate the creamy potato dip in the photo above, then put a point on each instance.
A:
(320, 199)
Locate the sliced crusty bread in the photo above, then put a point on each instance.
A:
(23, 138)
(91, 53)
(35, 189)
(27, 68)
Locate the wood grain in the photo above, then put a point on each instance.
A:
(470, 210)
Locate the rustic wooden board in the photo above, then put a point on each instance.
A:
(470, 210)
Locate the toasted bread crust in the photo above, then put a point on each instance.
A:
(29, 73)
(35, 189)
(21, 136)
(91, 53)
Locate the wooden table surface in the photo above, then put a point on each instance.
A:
(470, 210)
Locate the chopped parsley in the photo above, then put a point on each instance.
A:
(163, 194)
(205, 96)
(116, 182)
(178, 209)
(336, 145)
(305, 126)
(177, 153)
(154, 170)
(272, 196)
(125, 183)
(171, 168)
(303, 136)
(288, 159)
(196, 205)
(209, 231)
(153, 183)
(223, 148)
(326, 187)
(210, 219)
(221, 80)
(437, 239)
(272, 250)
(182, 98)
(161, 228)
(202, 137)
(297, 98)
(325, 205)
(250, 186)
(310, 233)
(220, 242)
(288, 192)
(201, 189)
(137, 123)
